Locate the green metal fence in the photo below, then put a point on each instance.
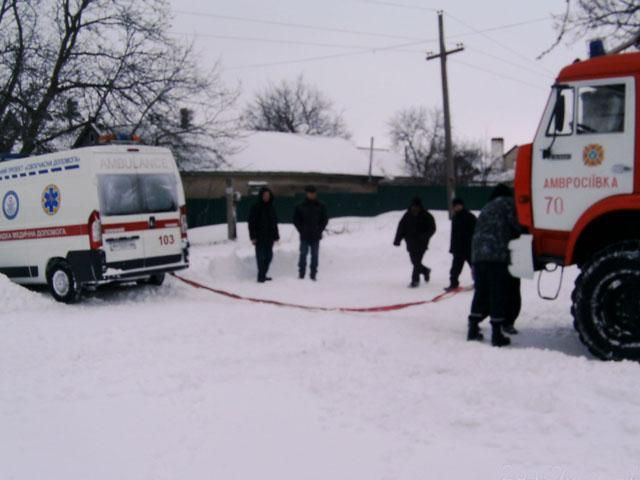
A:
(387, 199)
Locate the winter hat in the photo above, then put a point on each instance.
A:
(263, 190)
(501, 190)
(310, 189)
(457, 201)
(416, 202)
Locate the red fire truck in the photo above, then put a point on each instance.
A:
(578, 194)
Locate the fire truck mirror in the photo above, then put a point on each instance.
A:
(559, 112)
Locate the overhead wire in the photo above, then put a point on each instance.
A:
(509, 62)
(325, 57)
(363, 49)
(493, 40)
(303, 43)
(302, 26)
(401, 5)
(500, 75)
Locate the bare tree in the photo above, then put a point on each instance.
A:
(419, 133)
(294, 107)
(617, 20)
(75, 63)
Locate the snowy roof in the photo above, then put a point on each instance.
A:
(293, 153)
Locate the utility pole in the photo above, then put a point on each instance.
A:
(371, 157)
(448, 144)
(231, 209)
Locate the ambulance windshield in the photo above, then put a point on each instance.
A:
(131, 194)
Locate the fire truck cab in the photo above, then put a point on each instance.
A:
(578, 194)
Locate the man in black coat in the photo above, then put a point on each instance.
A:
(463, 225)
(310, 219)
(495, 294)
(416, 228)
(263, 231)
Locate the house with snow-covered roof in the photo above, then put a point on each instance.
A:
(287, 162)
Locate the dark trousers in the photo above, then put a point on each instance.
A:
(515, 305)
(305, 248)
(456, 269)
(264, 255)
(416, 257)
(492, 296)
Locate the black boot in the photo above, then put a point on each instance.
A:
(474, 333)
(498, 339)
(510, 329)
(426, 273)
(452, 287)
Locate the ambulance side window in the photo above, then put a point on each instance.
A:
(159, 192)
(601, 109)
(119, 194)
(562, 119)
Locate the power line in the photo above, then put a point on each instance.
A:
(498, 74)
(298, 25)
(509, 62)
(324, 57)
(280, 42)
(357, 32)
(500, 44)
(506, 26)
(401, 5)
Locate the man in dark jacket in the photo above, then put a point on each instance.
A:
(416, 228)
(310, 219)
(263, 231)
(463, 224)
(493, 297)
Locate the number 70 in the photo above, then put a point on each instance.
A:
(555, 205)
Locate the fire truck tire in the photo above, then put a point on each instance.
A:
(606, 304)
(62, 282)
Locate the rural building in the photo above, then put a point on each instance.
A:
(287, 162)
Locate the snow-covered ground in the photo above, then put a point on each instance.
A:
(177, 383)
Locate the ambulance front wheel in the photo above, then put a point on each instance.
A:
(62, 282)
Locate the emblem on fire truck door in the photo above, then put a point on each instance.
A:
(593, 155)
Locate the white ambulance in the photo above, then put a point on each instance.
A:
(82, 218)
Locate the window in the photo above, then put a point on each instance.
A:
(119, 195)
(601, 109)
(562, 119)
(131, 194)
(159, 192)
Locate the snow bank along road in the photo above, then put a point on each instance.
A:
(178, 383)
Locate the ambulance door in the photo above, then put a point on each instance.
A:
(583, 151)
(123, 219)
(162, 240)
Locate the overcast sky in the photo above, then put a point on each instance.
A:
(497, 86)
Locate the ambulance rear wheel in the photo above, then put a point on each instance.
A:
(62, 282)
(156, 279)
(606, 303)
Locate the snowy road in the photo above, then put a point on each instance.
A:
(176, 383)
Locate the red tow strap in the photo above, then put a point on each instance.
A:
(386, 308)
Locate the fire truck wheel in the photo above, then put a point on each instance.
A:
(606, 304)
(62, 282)
(156, 280)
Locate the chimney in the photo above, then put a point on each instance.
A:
(497, 150)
